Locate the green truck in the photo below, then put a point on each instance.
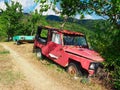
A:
(22, 39)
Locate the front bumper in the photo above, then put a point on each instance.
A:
(94, 67)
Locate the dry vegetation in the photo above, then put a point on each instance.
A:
(10, 76)
(17, 80)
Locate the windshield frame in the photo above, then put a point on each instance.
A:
(73, 44)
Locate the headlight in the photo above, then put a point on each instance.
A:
(92, 66)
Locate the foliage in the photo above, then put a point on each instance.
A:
(34, 20)
(4, 52)
(72, 7)
(106, 8)
(13, 22)
(107, 43)
(113, 56)
(10, 18)
(44, 5)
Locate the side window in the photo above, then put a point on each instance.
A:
(42, 35)
(56, 38)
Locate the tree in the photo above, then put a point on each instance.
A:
(107, 8)
(11, 18)
(2, 28)
(34, 19)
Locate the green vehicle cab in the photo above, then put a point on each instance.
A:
(22, 39)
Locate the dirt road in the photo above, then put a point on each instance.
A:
(39, 77)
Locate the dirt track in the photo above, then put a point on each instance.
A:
(38, 76)
(38, 79)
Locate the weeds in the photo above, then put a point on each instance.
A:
(4, 52)
(9, 77)
(7, 74)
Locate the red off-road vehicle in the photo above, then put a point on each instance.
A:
(68, 49)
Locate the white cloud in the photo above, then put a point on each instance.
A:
(26, 4)
(51, 12)
(2, 5)
(88, 17)
(85, 17)
(77, 16)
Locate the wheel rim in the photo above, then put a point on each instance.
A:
(38, 54)
(72, 71)
(17, 43)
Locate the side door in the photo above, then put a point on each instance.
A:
(54, 41)
(55, 49)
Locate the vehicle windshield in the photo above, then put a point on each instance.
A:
(74, 40)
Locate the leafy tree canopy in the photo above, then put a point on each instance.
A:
(11, 18)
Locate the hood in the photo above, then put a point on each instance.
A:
(84, 52)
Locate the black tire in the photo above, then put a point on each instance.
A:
(17, 43)
(74, 70)
(39, 53)
(99, 73)
(34, 50)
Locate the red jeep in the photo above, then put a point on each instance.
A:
(68, 49)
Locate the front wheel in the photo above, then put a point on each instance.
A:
(17, 42)
(74, 70)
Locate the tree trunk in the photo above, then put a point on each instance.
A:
(64, 21)
(32, 32)
(63, 24)
(8, 38)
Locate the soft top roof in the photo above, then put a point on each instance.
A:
(62, 30)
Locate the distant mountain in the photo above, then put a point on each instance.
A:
(57, 18)
(53, 18)
(26, 13)
(88, 23)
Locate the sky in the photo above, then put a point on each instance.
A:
(30, 5)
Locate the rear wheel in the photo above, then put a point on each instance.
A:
(74, 70)
(17, 42)
(39, 53)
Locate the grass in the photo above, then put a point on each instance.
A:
(8, 76)
(51, 64)
(81, 80)
(4, 52)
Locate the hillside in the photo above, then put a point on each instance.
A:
(86, 23)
